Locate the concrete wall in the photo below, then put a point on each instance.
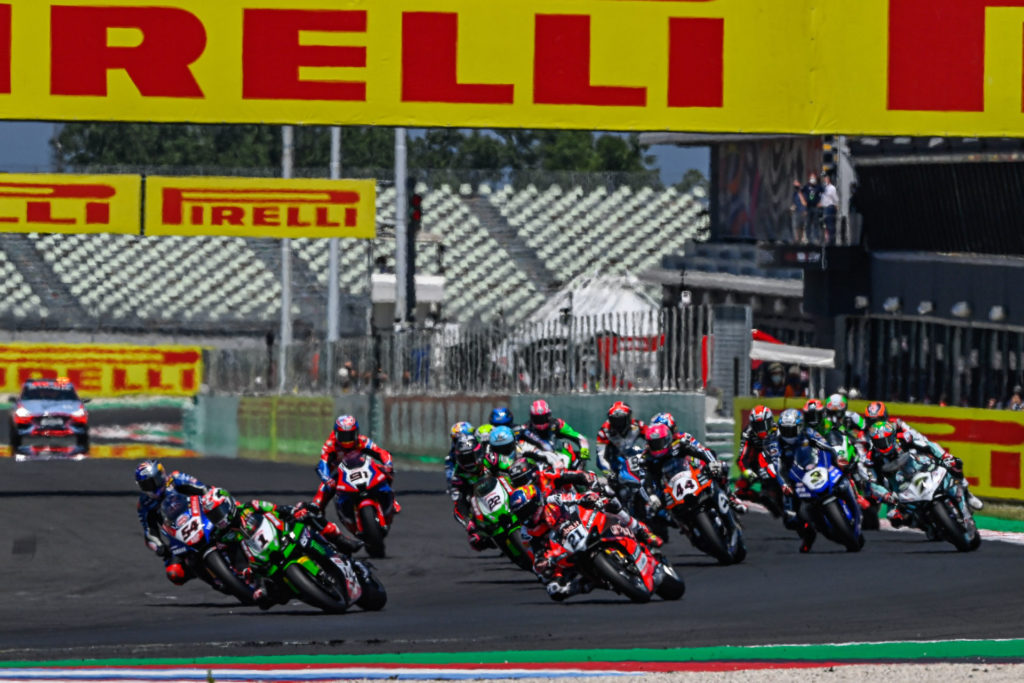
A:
(418, 425)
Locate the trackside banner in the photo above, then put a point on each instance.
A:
(70, 203)
(990, 442)
(104, 370)
(260, 207)
(908, 67)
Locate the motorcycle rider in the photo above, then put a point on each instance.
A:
(839, 416)
(793, 436)
(540, 515)
(618, 432)
(503, 449)
(814, 416)
(543, 428)
(469, 469)
(759, 453)
(911, 439)
(684, 444)
(523, 472)
(664, 446)
(461, 427)
(154, 484)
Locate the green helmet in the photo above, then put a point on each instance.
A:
(483, 433)
(835, 408)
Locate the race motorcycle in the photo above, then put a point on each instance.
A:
(826, 498)
(603, 551)
(702, 510)
(629, 477)
(851, 460)
(561, 453)
(768, 492)
(365, 502)
(494, 519)
(296, 561)
(935, 499)
(191, 541)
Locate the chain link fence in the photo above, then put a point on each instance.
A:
(650, 351)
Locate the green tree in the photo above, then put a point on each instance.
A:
(691, 179)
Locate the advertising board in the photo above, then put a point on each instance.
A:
(70, 203)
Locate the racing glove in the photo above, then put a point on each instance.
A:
(890, 498)
(153, 543)
(585, 453)
(787, 490)
(654, 503)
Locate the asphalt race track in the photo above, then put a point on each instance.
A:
(77, 581)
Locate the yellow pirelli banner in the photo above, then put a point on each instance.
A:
(261, 207)
(990, 442)
(70, 203)
(104, 370)
(907, 67)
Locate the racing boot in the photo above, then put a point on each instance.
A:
(737, 506)
(346, 545)
(744, 490)
(807, 536)
(973, 501)
(648, 537)
(897, 519)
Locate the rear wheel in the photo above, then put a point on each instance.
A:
(841, 527)
(953, 532)
(313, 592)
(870, 521)
(230, 580)
(623, 578)
(711, 539)
(372, 535)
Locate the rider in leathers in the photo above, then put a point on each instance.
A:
(543, 428)
(155, 484)
(618, 432)
(759, 453)
(794, 435)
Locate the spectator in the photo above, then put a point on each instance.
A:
(796, 384)
(798, 214)
(829, 208)
(776, 382)
(811, 192)
(1016, 402)
(992, 403)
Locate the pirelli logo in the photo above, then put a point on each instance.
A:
(260, 207)
(67, 203)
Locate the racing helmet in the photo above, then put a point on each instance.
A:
(883, 439)
(461, 427)
(502, 441)
(791, 425)
(522, 472)
(814, 413)
(150, 477)
(876, 412)
(525, 502)
(483, 433)
(501, 416)
(466, 451)
(346, 431)
(620, 416)
(665, 419)
(835, 408)
(659, 440)
(219, 507)
(540, 415)
(250, 522)
(761, 421)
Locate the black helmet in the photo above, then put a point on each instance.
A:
(466, 449)
(522, 472)
(814, 413)
(620, 416)
(883, 440)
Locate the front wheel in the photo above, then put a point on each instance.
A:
(841, 528)
(374, 596)
(611, 566)
(952, 530)
(15, 437)
(671, 586)
(312, 592)
(372, 534)
(230, 580)
(710, 538)
(514, 547)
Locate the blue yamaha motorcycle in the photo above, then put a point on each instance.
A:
(826, 498)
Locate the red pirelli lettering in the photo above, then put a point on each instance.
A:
(695, 53)
(172, 39)
(5, 48)
(272, 55)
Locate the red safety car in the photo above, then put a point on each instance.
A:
(49, 408)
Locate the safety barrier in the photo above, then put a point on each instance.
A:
(990, 442)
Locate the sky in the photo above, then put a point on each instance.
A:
(24, 148)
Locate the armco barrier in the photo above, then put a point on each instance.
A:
(990, 442)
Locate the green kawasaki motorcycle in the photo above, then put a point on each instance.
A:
(490, 510)
(295, 561)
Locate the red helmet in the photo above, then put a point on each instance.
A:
(346, 431)
(876, 412)
(883, 438)
(540, 415)
(814, 412)
(761, 421)
(620, 416)
(659, 439)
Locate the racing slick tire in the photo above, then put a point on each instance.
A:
(372, 534)
(230, 581)
(953, 532)
(610, 565)
(711, 539)
(312, 592)
(844, 533)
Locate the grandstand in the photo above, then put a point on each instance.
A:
(502, 250)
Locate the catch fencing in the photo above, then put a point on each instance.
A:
(650, 351)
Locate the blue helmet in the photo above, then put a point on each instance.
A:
(501, 416)
(150, 477)
(665, 419)
(502, 440)
(791, 425)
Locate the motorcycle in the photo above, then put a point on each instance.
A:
(935, 498)
(560, 453)
(702, 511)
(490, 510)
(826, 498)
(296, 561)
(608, 555)
(850, 459)
(630, 474)
(190, 536)
(366, 502)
